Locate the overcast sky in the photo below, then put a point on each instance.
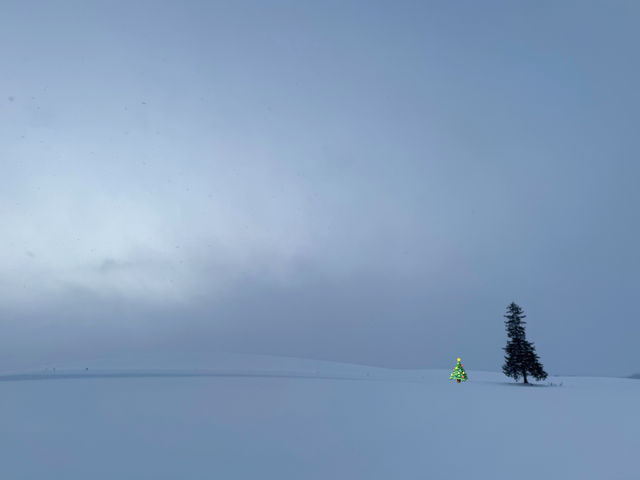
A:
(369, 182)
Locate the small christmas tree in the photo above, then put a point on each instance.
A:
(458, 373)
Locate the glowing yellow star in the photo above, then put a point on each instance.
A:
(458, 359)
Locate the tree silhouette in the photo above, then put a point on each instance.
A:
(521, 358)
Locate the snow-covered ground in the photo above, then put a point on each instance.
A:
(256, 417)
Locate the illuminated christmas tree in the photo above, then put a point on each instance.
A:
(458, 373)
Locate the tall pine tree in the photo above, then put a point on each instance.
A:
(521, 358)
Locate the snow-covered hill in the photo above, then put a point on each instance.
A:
(256, 417)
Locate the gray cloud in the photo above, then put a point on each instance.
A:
(371, 188)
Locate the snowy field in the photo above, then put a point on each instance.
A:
(249, 417)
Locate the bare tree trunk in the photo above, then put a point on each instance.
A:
(524, 374)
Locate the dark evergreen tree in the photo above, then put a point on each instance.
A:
(521, 358)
